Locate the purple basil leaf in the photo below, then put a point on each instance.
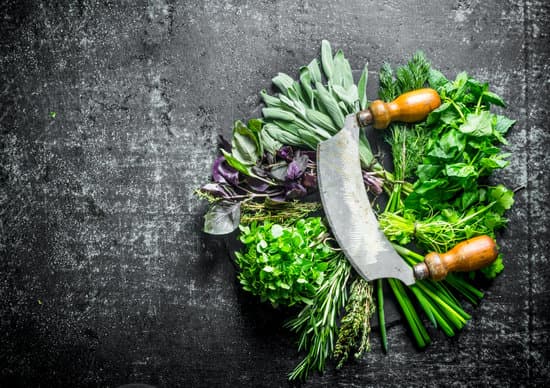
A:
(295, 190)
(257, 185)
(312, 155)
(297, 167)
(286, 153)
(215, 189)
(224, 173)
(293, 171)
(278, 171)
(259, 171)
(309, 180)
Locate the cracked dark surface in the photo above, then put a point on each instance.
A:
(109, 114)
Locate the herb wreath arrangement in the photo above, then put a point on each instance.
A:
(438, 195)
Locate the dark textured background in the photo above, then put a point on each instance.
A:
(105, 277)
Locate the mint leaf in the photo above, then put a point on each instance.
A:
(503, 124)
(477, 124)
(493, 98)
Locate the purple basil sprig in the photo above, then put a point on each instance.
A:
(224, 173)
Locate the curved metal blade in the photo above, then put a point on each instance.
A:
(348, 209)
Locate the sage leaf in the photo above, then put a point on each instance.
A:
(270, 101)
(362, 88)
(326, 59)
(278, 114)
(349, 97)
(330, 105)
(320, 119)
(315, 71)
(283, 82)
(342, 71)
(270, 144)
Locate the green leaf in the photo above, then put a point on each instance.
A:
(283, 82)
(427, 171)
(276, 231)
(235, 163)
(434, 115)
(326, 59)
(362, 88)
(349, 97)
(245, 144)
(460, 170)
(315, 71)
(494, 162)
(270, 101)
(494, 269)
(429, 185)
(283, 133)
(321, 119)
(278, 114)
(305, 79)
(503, 197)
(493, 98)
(503, 124)
(436, 79)
(343, 75)
(477, 124)
(222, 218)
(331, 105)
(270, 145)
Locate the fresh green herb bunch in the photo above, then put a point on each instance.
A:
(447, 158)
(312, 109)
(284, 264)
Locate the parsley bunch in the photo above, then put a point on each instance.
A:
(284, 264)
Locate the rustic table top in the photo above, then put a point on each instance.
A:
(109, 114)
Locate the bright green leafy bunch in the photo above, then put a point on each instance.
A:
(284, 264)
(451, 199)
(464, 145)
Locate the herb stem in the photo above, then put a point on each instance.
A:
(381, 314)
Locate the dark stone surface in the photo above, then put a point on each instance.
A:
(105, 278)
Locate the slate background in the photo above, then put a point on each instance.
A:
(105, 277)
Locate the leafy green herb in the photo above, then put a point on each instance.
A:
(446, 157)
(439, 195)
(284, 264)
(317, 323)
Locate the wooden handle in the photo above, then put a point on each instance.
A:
(409, 107)
(469, 255)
